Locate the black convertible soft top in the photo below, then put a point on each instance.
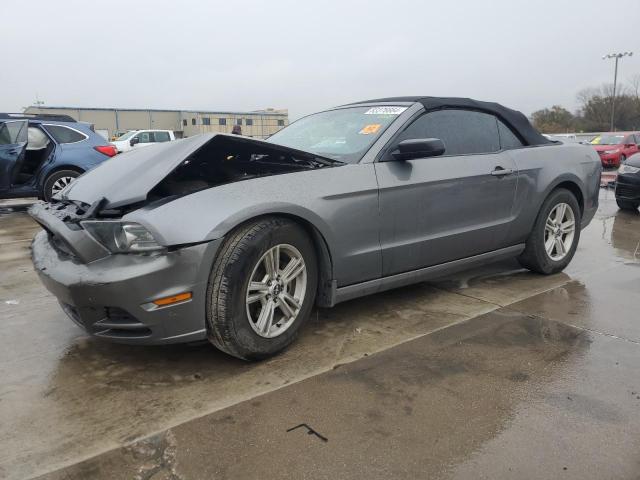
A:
(515, 119)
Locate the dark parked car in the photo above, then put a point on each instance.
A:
(42, 154)
(628, 184)
(235, 239)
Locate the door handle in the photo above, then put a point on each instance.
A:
(501, 172)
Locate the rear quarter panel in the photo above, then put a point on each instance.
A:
(540, 170)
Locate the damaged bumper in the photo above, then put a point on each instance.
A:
(108, 297)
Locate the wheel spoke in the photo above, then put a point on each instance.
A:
(292, 270)
(559, 247)
(286, 309)
(567, 227)
(560, 211)
(265, 320)
(258, 287)
(549, 244)
(257, 291)
(272, 261)
(549, 226)
(291, 301)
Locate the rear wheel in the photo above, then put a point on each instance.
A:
(627, 204)
(554, 238)
(261, 288)
(57, 181)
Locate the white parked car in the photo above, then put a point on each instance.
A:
(135, 139)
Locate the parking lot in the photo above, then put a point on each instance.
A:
(479, 375)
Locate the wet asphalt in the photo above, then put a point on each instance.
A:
(493, 373)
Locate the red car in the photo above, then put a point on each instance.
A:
(614, 148)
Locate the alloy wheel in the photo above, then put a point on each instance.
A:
(276, 290)
(60, 184)
(559, 231)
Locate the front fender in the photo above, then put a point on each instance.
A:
(340, 202)
(226, 224)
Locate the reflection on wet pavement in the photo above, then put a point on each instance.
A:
(65, 397)
(504, 395)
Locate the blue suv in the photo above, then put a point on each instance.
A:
(42, 154)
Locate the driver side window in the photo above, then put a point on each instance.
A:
(463, 132)
(144, 137)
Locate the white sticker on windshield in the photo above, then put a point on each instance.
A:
(385, 111)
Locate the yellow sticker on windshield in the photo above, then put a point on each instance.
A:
(370, 129)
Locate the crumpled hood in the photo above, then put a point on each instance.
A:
(127, 178)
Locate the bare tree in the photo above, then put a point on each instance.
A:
(634, 83)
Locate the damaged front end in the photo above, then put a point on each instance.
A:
(168, 171)
(85, 221)
(119, 277)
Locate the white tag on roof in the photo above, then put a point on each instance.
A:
(385, 111)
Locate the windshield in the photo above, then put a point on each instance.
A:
(126, 136)
(607, 140)
(344, 134)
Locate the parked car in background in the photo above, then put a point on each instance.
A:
(135, 139)
(117, 134)
(628, 184)
(235, 239)
(614, 148)
(562, 137)
(42, 154)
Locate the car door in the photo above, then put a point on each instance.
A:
(13, 146)
(438, 209)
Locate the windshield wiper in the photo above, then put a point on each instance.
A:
(324, 161)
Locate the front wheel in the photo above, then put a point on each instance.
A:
(261, 288)
(627, 204)
(56, 182)
(555, 235)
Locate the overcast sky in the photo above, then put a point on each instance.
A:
(308, 55)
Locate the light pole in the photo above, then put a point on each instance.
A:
(617, 56)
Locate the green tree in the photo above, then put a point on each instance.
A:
(556, 119)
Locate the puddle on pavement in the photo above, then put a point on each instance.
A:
(475, 395)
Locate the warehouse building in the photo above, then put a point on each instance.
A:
(112, 122)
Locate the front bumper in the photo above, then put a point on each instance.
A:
(628, 186)
(106, 296)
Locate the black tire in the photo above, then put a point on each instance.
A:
(226, 313)
(47, 188)
(627, 204)
(535, 257)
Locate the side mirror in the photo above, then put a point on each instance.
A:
(133, 141)
(418, 148)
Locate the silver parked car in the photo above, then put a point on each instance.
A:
(235, 239)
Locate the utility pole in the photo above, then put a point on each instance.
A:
(617, 57)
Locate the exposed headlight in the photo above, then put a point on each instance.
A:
(121, 237)
(609, 152)
(628, 169)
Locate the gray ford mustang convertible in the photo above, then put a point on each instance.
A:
(235, 239)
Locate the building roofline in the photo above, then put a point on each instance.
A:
(212, 112)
